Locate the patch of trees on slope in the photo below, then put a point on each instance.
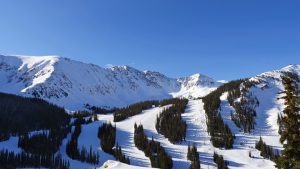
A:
(221, 135)
(134, 109)
(244, 103)
(107, 136)
(152, 149)
(19, 116)
(81, 154)
(170, 123)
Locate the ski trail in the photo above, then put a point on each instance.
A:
(125, 137)
(195, 118)
(238, 156)
(196, 134)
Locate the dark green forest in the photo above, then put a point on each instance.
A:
(80, 153)
(20, 115)
(219, 160)
(221, 135)
(107, 136)
(193, 156)
(134, 109)
(170, 123)
(152, 149)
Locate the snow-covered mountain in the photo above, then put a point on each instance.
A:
(73, 84)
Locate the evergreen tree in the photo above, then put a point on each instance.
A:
(152, 149)
(219, 160)
(134, 109)
(266, 151)
(20, 115)
(10, 160)
(170, 123)
(35, 144)
(244, 115)
(290, 124)
(193, 156)
(119, 155)
(107, 136)
(81, 154)
(221, 135)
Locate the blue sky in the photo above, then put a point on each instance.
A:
(223, 39)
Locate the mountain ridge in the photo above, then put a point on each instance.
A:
(72, 84)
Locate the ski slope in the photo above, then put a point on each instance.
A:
(238, 156)
(196, 134)
(195, 117)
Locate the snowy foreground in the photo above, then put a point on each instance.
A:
(110, 164)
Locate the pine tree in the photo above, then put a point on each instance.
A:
(290, 124)
(219, 160)
(193, 156)
(170, 123)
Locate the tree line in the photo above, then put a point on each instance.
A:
(35, 144)
(134, 109)
(266, 151)
(12, 160)
(107, 136)
(170, 123)
(82, 154)
(193, 156)
(171, 101)
(245, 113)
(152, 149)
(21, 115)
(221, 135)
(100, 110)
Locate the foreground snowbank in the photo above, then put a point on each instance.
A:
(110, 164)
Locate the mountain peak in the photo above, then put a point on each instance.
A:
(73, 84)
(294, 68)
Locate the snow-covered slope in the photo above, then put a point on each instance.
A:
(28, 74)
(73, 84)
(197, 85)
(266, 90)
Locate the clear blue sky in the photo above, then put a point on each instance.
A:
(225, 39)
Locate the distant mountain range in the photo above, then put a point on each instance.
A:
(73, 84)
